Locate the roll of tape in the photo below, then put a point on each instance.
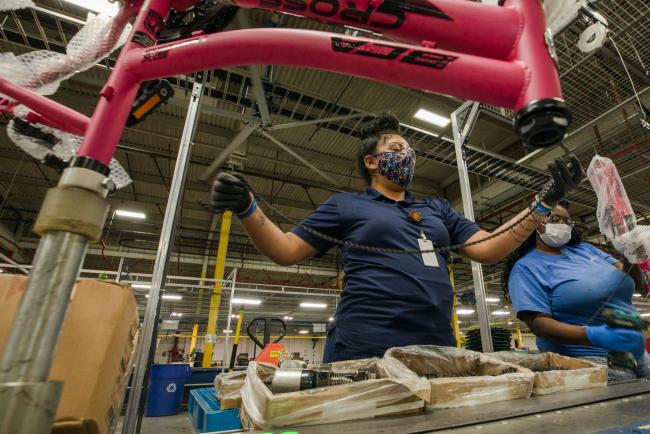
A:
(592, 38)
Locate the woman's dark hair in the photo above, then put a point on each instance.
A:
(527, 246)
(370, 132)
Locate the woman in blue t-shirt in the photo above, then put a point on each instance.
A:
(558, 286)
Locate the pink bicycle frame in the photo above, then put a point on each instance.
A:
(490, 54)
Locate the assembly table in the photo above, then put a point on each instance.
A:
(618, 408)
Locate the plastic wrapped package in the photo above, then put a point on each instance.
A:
(461, 378)
(399, 392)
(228, 389)
(616, 218)
(228, 385)
(42, 71)
(555, 373)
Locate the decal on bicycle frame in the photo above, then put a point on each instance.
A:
(161, 53)
(388, 14)
(389, 52)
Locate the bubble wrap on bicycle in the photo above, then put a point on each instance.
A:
(64, 148)
(10, 5)
(42, 71)
(616, 218)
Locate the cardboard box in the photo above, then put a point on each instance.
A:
(261, 409)
(93, 356)
(228, 389)
(555, 373)
(461, 378)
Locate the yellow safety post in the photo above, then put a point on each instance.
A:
(204, 270)
(215, 299)
(454, 316)
(520, 340)
(235, 341)
(197, 312)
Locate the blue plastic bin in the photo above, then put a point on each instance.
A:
(166, 388)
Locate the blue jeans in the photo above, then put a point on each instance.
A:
(618, 375)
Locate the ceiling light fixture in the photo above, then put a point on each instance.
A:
(234, 316)
(169, 297)
(130, 214)
(303, 332)
(246, 301)
(311, 305)
(465, 311)
(432, 118)
(141, 286)
(177, 314)
(288, 318)
(492, 299)
(331, 318)
(645, 314)
(636, 295)
(501, 312)
(227, 331)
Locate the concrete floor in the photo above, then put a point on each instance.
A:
(176, 424)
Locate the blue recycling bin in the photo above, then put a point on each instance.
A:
(166, 388)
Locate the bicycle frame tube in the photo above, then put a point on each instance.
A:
(527, 76)
(488, 80)
(63, 117)
(463, 26)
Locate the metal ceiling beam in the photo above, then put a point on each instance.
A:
(315, 121)
(189, 258)
(227, 114)
(300, 158)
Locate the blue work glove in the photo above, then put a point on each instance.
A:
(617, 339)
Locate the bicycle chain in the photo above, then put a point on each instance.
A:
(375, 249)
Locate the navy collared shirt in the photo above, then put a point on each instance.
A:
(389, 300)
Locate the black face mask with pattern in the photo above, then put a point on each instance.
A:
(398, 167)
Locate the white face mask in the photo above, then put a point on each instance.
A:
(556, 235)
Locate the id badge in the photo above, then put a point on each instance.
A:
(429, 258)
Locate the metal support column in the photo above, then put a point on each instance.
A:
(120, 267)
(215, 299)
(462, 122)
(520, 340)
(27, 400)
(454, 315)
(146, 344)
(204, 273)
(232, 279)
(235, 341)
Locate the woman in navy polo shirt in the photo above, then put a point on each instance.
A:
(559, 285)
(389, 299)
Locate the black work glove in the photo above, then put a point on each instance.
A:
(230, 192)
(567, 174)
